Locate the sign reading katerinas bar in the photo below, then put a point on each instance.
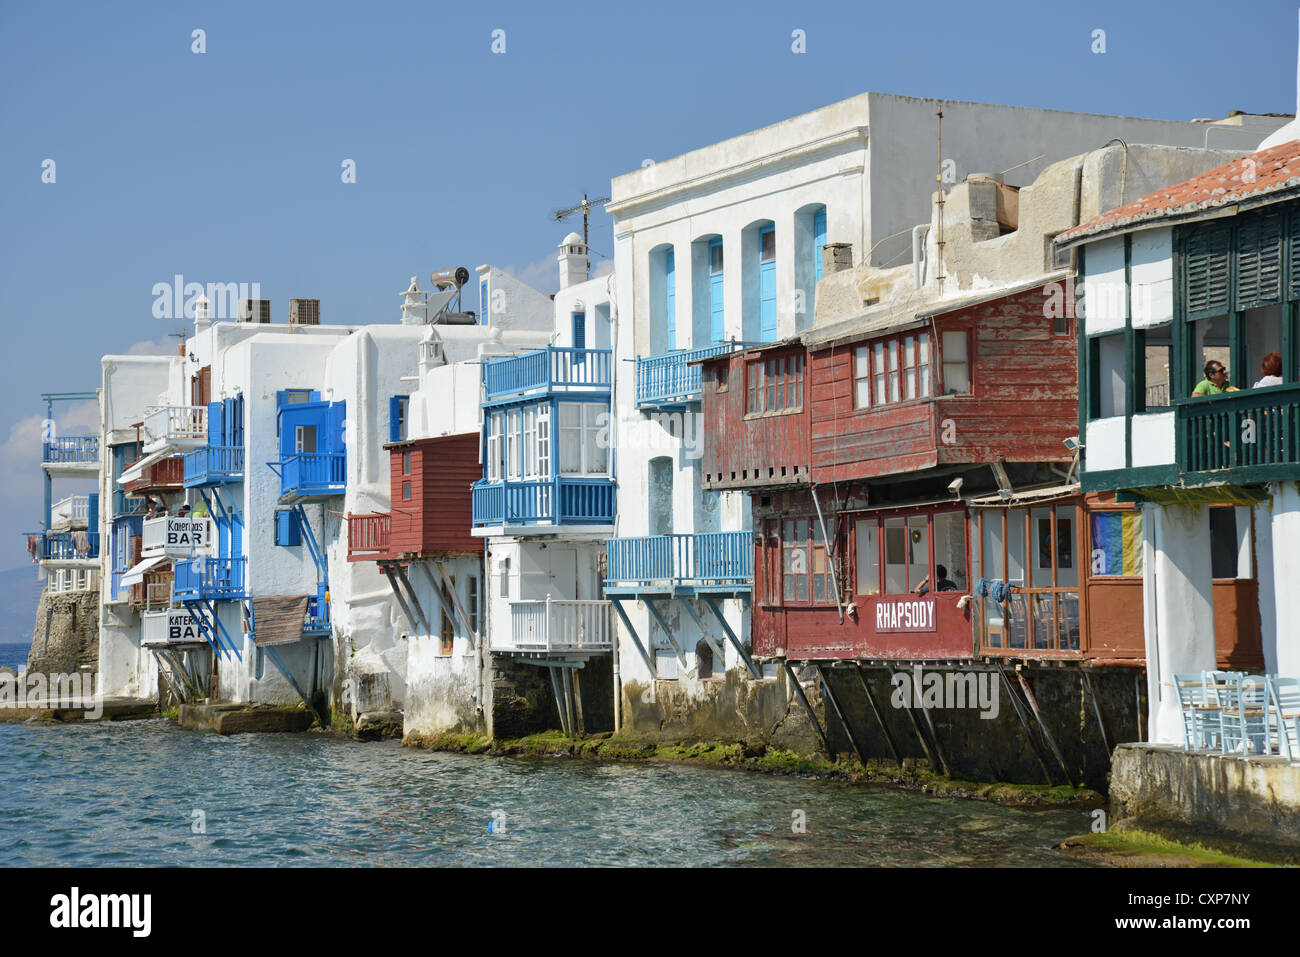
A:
(905, 615)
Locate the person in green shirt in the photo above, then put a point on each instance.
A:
(1215, 381)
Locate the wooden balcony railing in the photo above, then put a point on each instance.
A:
(369, 536)
(1254, 432)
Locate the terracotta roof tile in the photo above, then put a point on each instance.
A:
(1249, 177)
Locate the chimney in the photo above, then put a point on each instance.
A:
(304, 312)
(574, 266)
(202, 314)
(836, 257)
(413, 305)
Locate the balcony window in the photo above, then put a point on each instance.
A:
(1211, 343)
(583, 449)
(1157, 346)
(304, 439)
(909, 567)
(512, 439)
(1035, 551)
(775, 385)
(496, 447)
(1261, 335)
(1108, 357)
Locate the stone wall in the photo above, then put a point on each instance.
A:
(737, 708)
(66, 634)
(1162, 787)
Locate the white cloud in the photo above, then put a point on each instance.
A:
(544, 275)
(164, 347)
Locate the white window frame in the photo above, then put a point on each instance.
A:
(514, 435)
(588, 429)
(495, 461)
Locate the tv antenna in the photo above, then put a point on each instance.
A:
(560, 215)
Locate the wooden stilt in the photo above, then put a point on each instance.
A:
(866, 690)
(938, 748)
(1091, 690)
(1024, 723)
(577, 703)
(1051, 742)
(812, 715)
(839, 713)
(559, 701)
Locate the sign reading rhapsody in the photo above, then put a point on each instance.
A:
(905, 615)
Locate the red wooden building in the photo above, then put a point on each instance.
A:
(909, 448)
(430, 516)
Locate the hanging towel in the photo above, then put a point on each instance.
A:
(999, 591)
(982, 587)
(81, 543)
(32, 547)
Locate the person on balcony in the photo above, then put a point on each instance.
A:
(1271, 368)
(945, 584)
(1215, 381)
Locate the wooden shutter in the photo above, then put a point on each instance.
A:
(1259, 260)
(1293, 251)
(1206, 270)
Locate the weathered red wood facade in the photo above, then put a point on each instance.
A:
(861, 549)
(431, 503)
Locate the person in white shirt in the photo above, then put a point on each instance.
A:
(1272, 369)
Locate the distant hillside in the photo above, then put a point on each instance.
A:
(20, 592)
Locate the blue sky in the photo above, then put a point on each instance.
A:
(226, 166)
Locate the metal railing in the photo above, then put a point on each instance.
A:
(549, 368)
(124, 504)
(221, 579)
(581, 501)
(309, 472)
(1241, 429)
(72, 450)
(175, 422)
(710, 558)
(671, 378)
(213, 465)
(368, 536)
(559, 626)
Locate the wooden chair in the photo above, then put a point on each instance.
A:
(1192, 701)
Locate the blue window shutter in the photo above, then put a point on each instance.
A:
(237, 430)
(334, 433)
(216, 424)
(670, 298)
(482, 302)
(819, 241)
(717, 321)
(579, 330)
(287, 532)
(395, 418)
(766, 291)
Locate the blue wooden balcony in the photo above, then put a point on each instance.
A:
(1241, 437)
(671, 380)
(553, 369)
(67, 546)
(209, 579)
(214, 465)
(72, 450)
(312, 474)
(562, 501)
(708, 563)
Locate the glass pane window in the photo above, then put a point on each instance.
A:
(595, 442)
(878, 367)
(896, 552)
(950, 551)
(767, 246)
(544, 441)
(512, 444)
(715, 259)
(861, 378)
(1157, 365)
(1109, 369)
(956, 362)
(891, 357)
(868, 543)
(570, 438)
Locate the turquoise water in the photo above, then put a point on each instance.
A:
(126, 794)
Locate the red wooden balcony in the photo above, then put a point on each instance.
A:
(369, 536)
(165, 475)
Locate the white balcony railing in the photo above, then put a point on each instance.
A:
(168, 424)
(175, 537)
(70, 511)
(559, 626)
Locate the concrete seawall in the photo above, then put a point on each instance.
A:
(1252, 799)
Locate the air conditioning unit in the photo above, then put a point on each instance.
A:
(255, 310)
(304, 312)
